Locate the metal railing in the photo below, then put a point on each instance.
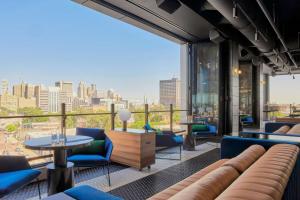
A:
(112, 114)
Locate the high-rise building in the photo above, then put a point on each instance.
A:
(29, 91)
(110, 94)
(82, 90)
(101, 94)
(26, 102)
(4, 87)
(65, 86)
(9, 101)
(42, 97)
(169, 92)
(53, 99)
(66, 94)
(19, 90)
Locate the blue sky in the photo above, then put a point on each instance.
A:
(285, 89)
(49, 40)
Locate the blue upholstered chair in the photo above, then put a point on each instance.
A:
(93, 160)
(247, 120)
(15, 172)
(209, 132)
(83, 192)
(165, 140)
(86, 192)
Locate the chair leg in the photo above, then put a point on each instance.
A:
(39, 189)
(108, 175)
(180, 152)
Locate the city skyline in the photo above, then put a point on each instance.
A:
(37, 52)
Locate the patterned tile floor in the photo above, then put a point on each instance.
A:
(130, 183)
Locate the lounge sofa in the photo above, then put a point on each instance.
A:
(270, 129)
(249, 169)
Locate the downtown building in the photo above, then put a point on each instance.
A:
(65, 94)
(169, 92)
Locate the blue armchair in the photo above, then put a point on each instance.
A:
(247, 120)
(15, 172)
(93, 160)
(83, 192)
(165, 140)
(211, 131)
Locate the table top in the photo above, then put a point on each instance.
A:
(136, 131)
(44, 143)
(191, 123)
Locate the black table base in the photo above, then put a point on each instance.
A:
(189, 144)
(60, 178)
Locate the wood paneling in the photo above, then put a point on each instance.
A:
(288, 119)
(133, 149)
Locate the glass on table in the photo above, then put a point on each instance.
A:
(54, 138)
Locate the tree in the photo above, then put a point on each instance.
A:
(70, 121)
(11, 128)
(29, 111)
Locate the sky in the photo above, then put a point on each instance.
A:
(284, 89)
(49, 40)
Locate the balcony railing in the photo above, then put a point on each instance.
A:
(109, 121)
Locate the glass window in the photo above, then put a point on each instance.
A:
(205, 99)
(246, 81)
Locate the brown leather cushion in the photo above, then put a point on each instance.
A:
(170, 191)
(246, 158)
(210, 186)
(267, 177)
(283, 129)
(294, 129)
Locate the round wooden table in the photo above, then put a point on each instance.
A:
(60, 172)
(189, 144)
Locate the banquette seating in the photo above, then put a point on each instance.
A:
(248, 169)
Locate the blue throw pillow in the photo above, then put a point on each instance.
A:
(147, 127)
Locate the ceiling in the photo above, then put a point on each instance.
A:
(193, 20)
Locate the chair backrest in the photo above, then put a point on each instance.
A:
(96, 133)
(13, 163)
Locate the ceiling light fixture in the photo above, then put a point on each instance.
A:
(256, 35)
(234, 11)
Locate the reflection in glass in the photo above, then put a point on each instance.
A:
(245, 81)
(206, 92)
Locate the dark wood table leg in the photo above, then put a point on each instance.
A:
(189, 140)
(60, 173)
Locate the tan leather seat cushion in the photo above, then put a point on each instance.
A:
(170, 191)
(267, 177)
(283, 129)
(295, 129)
(246, 158)
(210, 186)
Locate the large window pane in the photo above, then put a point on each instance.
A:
(206, 94)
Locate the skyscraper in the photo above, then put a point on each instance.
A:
(19, 90)
(169, 92)
(4, 87)
(29, 91)
(65, 94)
(53, 99)
(82, 90)
(9, 101)
(65, 86)
(42, 97)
